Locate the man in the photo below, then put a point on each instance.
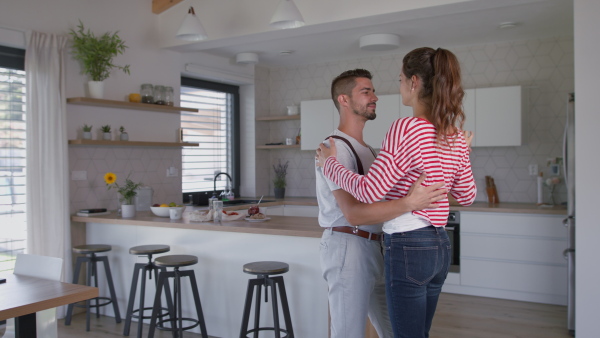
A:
(351, 253)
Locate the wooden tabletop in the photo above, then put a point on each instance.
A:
(22, 295)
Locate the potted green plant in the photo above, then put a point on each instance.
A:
(106, 132)
(87, 132)
(127, 192)
(279, 180)
(96, 55)
(124, 136)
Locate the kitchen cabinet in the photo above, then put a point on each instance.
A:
(85, 101)
(320, 117)
(495, 115)
(513, 256)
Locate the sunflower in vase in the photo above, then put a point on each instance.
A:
(127, 191)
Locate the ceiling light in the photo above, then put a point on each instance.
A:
(378, 42)
(191, 29)
(507, 25)
(287, 15)
(246, 58)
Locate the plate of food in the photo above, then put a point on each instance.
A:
(258, 217)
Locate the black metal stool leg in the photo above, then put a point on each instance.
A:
(142, 301)
(285, 306)
(196, 294)
(129, 313)
(94, 261)
(247, 307)
(156, 309)
(179, 312)
(167, 287)
(257, 307)
(90, 264)
(276, 326)
(78, 263)
(111, 288)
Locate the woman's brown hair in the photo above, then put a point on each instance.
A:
(441, 91)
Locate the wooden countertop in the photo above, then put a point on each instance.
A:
(287, 225)
(276, 225)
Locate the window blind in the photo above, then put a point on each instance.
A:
(211, 127)
(13, 227)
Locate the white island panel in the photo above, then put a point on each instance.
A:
(221, 282)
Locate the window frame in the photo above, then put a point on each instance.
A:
(234, 137)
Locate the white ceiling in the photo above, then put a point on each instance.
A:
(458, 24)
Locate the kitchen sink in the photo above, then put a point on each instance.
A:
(237, 202)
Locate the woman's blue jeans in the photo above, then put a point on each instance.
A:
(416, 266)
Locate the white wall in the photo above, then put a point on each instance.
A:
(587, 73)
(543, 66)
(138, 27)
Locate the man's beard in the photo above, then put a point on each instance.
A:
(364, 113)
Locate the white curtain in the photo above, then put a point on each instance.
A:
(48, 223)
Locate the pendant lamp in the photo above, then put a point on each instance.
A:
(287, 15)
(191, 29)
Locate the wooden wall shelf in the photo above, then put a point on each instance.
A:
(131, 143)
(283, 146)
(86, 101)
(278, 118)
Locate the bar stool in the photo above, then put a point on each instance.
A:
(149, 268)
(262, 270)
(176, 318)
(91, 265)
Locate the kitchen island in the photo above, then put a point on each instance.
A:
(222, 250)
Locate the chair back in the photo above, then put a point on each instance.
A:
(39, 266)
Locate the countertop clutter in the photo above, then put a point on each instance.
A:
(287, 225)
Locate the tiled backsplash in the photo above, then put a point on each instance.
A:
(145, 164)
(545, 67)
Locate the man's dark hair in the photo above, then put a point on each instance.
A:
(345, 82)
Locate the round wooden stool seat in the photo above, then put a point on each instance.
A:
(149, 249)
(266, 268)
(91, 248)
(175, 261)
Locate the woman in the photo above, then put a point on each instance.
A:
(417, 248)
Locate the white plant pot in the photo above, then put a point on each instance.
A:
(124, 137)
(96, 89)
(128, 210)
(107, 136)
(87, 135)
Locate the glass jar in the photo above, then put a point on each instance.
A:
(169, 96)
(147, 93)
(159, 95)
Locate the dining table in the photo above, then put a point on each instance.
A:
(22, 296)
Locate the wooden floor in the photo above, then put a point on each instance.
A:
(457, 316)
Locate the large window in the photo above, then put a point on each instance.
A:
(13, 228)
(216, 128)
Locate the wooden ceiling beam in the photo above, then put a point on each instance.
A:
(159, 6)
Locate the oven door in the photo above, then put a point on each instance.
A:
(453, 230)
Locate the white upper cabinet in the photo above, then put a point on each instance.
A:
(498, 116)
(469, 110)
(388, 111)
(316, 122)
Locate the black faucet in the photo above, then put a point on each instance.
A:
(215, 182)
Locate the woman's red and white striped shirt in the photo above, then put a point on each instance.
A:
(409, 149)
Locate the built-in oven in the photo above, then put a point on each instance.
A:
(453, 230)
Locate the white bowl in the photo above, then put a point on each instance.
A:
(164, 211)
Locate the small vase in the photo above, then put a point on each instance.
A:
(128, 210)
(96, 89)
(279, 193)
(87, 135)
(124, 137)
(106, 136)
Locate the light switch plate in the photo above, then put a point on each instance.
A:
(172, 172)
(533, 169)
(79, 175)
